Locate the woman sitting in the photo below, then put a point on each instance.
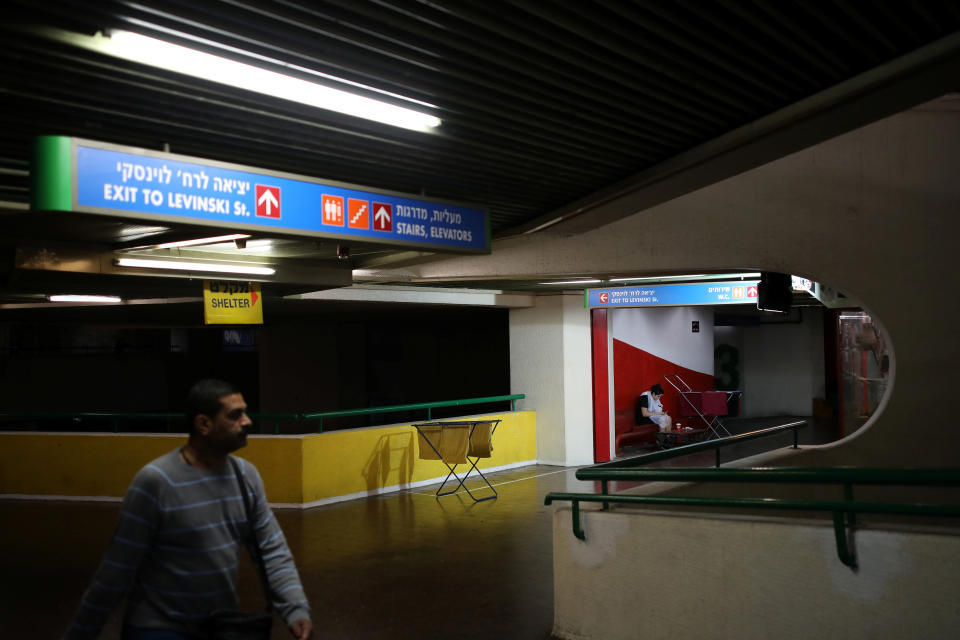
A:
(650, 410)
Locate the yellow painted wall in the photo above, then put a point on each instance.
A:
(76, 464)
(295, 469)
(280, 462)
(363, 460)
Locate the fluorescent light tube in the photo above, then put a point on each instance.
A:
(179, 265)
(192, 62)
(543, 226)
(73, 298)
(692, 276)
(190, 243)
(573, 282)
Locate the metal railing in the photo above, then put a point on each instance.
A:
(429, 406)
(697, 447)
(843, 511)
(116, 419)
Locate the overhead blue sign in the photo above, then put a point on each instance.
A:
(160, 186)
(673, 295)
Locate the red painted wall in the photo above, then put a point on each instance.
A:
(601, 386)
(635, 370)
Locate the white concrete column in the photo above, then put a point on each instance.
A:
(550, 363)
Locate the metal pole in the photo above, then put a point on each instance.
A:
(577, 528)
(848, 496)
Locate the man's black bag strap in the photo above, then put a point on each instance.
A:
(254, 546)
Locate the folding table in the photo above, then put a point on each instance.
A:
(457, 442)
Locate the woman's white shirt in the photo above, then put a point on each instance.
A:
(653, 404)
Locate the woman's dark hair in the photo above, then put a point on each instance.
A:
(204, 399)
(656, 390)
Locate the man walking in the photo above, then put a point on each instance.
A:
(176, 548)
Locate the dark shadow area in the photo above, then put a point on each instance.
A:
(305, 358)
(392, 452)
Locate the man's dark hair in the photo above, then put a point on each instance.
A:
(204, 399)
(656, 390)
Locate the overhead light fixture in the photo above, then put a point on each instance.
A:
(543, 226)
(573, 282)
(196, 241)
(179, 265)
(199, 64)
(686, 277)
(692, 276)
(75, 298)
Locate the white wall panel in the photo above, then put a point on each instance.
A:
(578, 382)
(536, 369)
(667, 333)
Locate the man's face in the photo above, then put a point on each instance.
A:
(228, 429)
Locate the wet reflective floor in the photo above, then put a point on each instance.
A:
(415, 566)
(401, 565)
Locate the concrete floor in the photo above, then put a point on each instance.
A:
(402, 565)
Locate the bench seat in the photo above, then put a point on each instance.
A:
(630, 434)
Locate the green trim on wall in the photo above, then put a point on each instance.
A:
(51, 174)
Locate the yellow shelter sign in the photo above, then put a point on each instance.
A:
(230, 302)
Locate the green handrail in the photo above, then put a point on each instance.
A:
(840, 509)
(685, 450)
(87, 414)
(696, 447)
(113, 416)
(116, 416)
(276, 417)
(793, 475)
(429, 406)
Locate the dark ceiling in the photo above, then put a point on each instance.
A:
(543, 103)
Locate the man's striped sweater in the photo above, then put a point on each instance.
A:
(176, 549)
